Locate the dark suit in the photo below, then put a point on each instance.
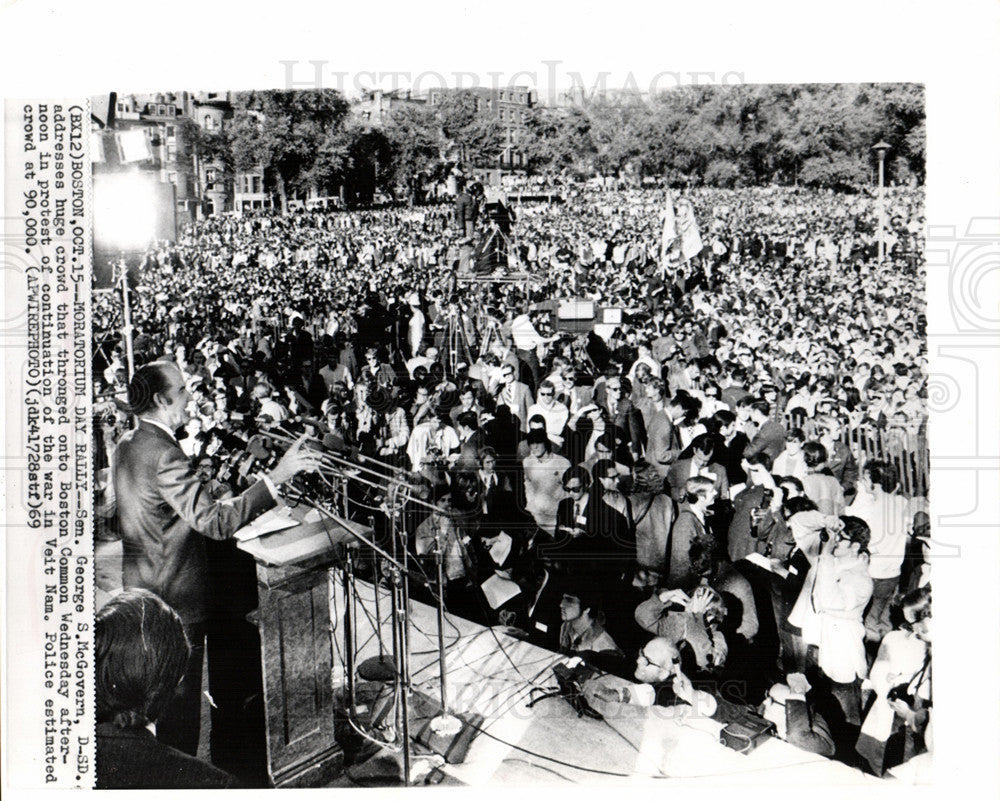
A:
(517, 397)
(542, 623)
(843, 467)
(770, 439)
(469, 450)
(133, 759)
(164, 512)
(626, 420)
(497, 495)
(607, 547)
(664, 443)
(686, 530)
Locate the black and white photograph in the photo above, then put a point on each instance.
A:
(529, 428)
(625, 395)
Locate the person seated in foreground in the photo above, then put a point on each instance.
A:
(695, 620)
(661, 682)
(140, 652)
(582, 631)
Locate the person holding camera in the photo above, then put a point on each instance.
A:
(830, 609)
(895, 728)
(688, 528)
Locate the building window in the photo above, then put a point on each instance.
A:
(170, 130)
(209, 122)
(161, 111)
(210, 176)
(121, 107)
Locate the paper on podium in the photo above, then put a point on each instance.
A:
(277, 519)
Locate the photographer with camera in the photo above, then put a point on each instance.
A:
(896, 726)
(830, 612)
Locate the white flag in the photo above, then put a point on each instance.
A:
(687, 226)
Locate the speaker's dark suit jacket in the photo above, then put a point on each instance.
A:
(164, 511)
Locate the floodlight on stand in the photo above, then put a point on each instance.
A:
(124, 212)
(124, 222)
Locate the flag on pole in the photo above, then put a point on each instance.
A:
(669, 229)
(687, 227)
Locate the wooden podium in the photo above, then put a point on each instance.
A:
(293, 590)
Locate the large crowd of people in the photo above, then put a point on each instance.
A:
(677, 497)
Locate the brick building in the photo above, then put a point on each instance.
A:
(508, 105)
(375, 105)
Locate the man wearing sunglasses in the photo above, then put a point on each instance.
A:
(662, 683)
(619, 414)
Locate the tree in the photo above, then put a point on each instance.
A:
(555, 140)
(416, 143)
(291, 134)
(836, 170)
(616, 129)
(479, 138)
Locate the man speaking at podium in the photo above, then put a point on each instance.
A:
(164, 510)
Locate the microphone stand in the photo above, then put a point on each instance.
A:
(399, 489)
(444, 724)
(401, 622)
